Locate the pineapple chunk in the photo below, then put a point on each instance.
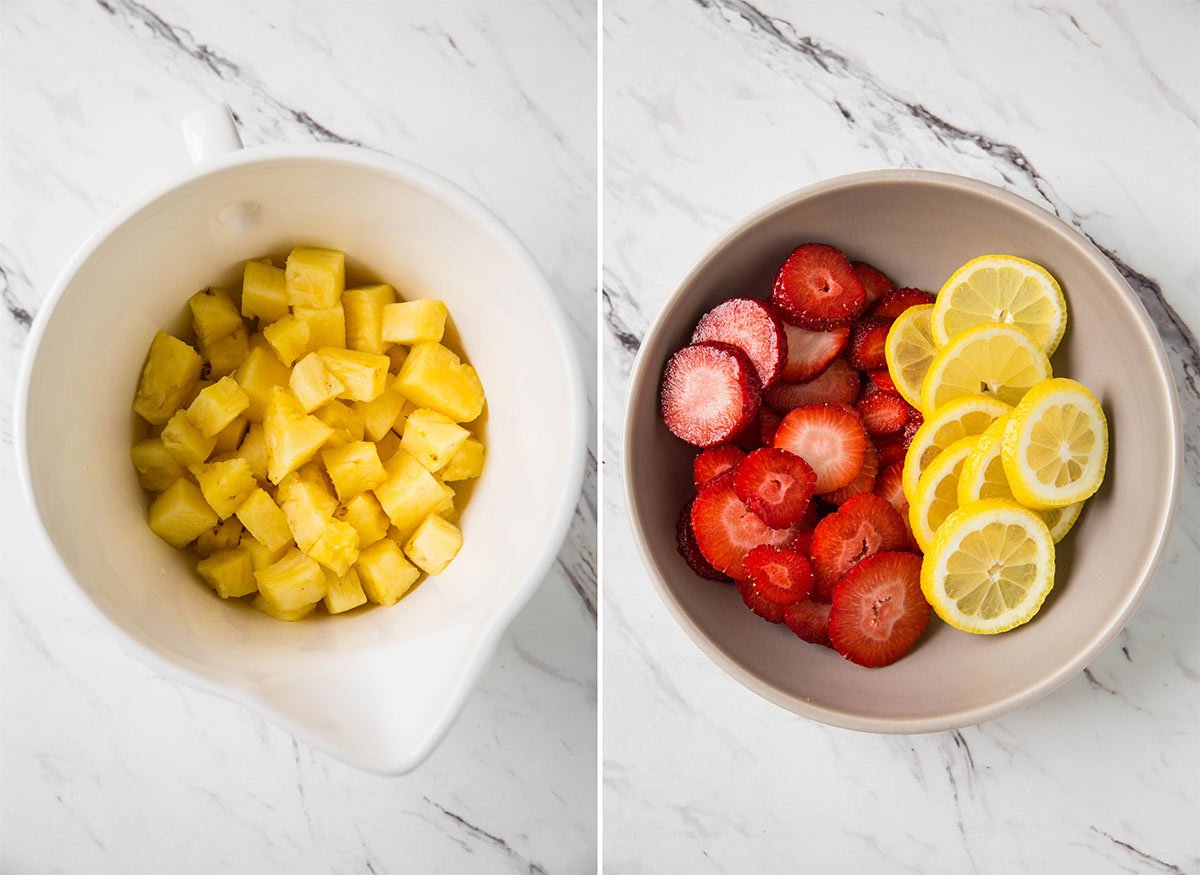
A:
(308, 506)
(364, 316)
(313, 384)
(337, 548)
(343, 593)
(292, 582)
(434, 544)
(180, 514)
(231, 436)
(213, 315)
(396, 355)
(218, 406)
(364, 374)
(225, 484)
(410, 493)
(467, 462)
(315, 277)
(387, 445)
(326, 326)
(226, 354)
(445, 507)
(264, 293)
(288, 337)
(346, 422)
(265, 521)
(185, 442)
(380, 415)
(313, 472)
(432, 438)
(171, 370)
(292, 437)
(197, 387)
(260, 555)
(385, 573)
(156, 468)
(229, 572)
(410, 322)
(434, 377)
(223, 536)
(353, 468)
(268, 607)
(261, 372)
(364, 513)
(254, 451)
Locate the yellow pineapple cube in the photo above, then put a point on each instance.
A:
(185, 442)
(292, 582)
(434, 544)
(445, 507)
(326, 326)
(396, 355)
(213, 315)
(229, 572)
(467, 462)
(308, 506)
(344, 593)
(265, 521)
(197, 387)
(364, 316)
(180, 513)
(365, 514)
(225, 484)
(223, 356)
(380, 415)
(364, 374)
(293, 437)
(156, 467)
(411, 322)
(337, 548)
(384, 572)
(260, 555)
(171, 371)
(353, 468)
(434, 377)
(258, 375)
(346, 422)
(268, 607)
(231, 436)
(288, 336)
(410, 493)
(387, 445)
(218, 406)
(315, 277)
(264, 293)
(223, 536)
(432, 438)
(313, 384)
(254, 450)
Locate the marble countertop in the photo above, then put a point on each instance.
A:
(106, 766)
(715, 107)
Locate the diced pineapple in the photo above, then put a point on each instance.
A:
(410, 493)
(225, 484)
(265, 605)
(171, 370)
(434, 544)
(231, 436)
(261, 372)
(396, 355)
(337, 548)
(364, 374)
(434, 377)
(405, 412)
(314, 472)
(410, 322)
(315, 277)
(156, 467)
(365, 514)
(346, 422)
(308, 506)
(288, 336)
(364, 316)
(225, 355)
(260, 555)
(326, 326)
(264, 293)
(223, 536)
(292, 582)
(197, 387)
(213, 315)
(313, 384)
(385, 573)
(180, 513)
(380, 415)
(432, 438)
(446, 505)
(229, 572)
(254, 450)
(292, 437)
(265, 521)
(387, 445)
(185, 442)
(467, 462)
(343, 593)
(218, 406)
(353, 468)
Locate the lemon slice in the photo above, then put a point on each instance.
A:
(983, 477)
(991, 567)
(936, 496)
(958, 419)
(909, 349)
(990, 359)
(1056, 445)
(1001, 288)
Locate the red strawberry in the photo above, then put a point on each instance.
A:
(878, 611)
(889, 485)
(726, 530)
(865, 524)
(891, 450)
(867, 339)
(712, 463)
(864, 482)
(818, 289)
(915, 421)
(802, 543)
(809, 620)
(779, 575)
(709, 393)
(768, 423)
(753, 328)
(809, 353)
(830, 437)
(882, 413)
(875, 282)
(750, 437)
(685, 543)
(883, 381)
(759, 604)
(776, 485)
(892, 305)
(838, 384)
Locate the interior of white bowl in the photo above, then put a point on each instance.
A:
(376, 686)
(917, 228)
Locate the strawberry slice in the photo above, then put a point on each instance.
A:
(685, 543)
(867, 339)
(915, 421)
(889, 485)
(864, 482)
(759, 604)
(839, 384)
(875, 282)
(818, 289)
(809, 620)
(892, 305)
(710, 392)
(883, 382)
(753, 328)
(778, 574)
(712, 463)
(830, 437)
(891, 449)
(776, 485)
(864, 525)
(878, 611)
(802, 543)
(883, 413)
(768, 424)
(809, 353)
(726, 530)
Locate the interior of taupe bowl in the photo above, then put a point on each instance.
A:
(918, 232)
(79, 429)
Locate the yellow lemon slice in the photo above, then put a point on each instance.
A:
(909, 349)
(990, 568)
(953, 421)
(990, 359)
(1005, 289)
(936, 496)
(1056, 445)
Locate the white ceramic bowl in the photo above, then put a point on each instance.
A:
(379, 687)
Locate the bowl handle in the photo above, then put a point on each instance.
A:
(210, 131)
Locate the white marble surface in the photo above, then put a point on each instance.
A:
(712, 108)
(106, 767)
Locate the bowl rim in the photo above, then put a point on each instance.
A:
(951, 719)
(232, 686)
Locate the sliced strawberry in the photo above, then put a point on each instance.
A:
(883, 381)
(802, 543)
(809, 620)
(883, 413)
(776, 485)
(712, 463)
(891, 450)
(809, 353)
(830, 437)
(889, 486)
(839, 384)
(865, 524)
(710, 393)
(778, 574)
(875, 282)
(685, 543)
(818, 289)
(892, 305)
(864, 482)
(867, 339)
(758, 603)
(752, 327)
(768, 424)
(750, 437)
(726, 530)
(915, 421)
(878, 611)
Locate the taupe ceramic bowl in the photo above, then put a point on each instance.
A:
(918, 227)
